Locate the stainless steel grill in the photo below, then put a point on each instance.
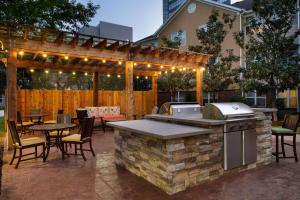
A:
(177, 109)
(239, 132)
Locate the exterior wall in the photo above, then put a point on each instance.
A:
(109, 30)
(191, 22)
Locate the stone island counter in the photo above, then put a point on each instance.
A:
(175, 157)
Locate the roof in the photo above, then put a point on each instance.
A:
(208, 2)
(245, 4)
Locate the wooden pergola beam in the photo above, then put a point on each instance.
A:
(114, 46)
(88, 43)
(74, 41)
(101, 45)
(125, 47)
(60, 38)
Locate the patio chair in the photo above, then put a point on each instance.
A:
(23, 126)
(59, 112)
(36, 111)
(288, 128)
(85, 136)
(81, 115)
(21, 144)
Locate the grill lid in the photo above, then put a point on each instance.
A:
(222, 111)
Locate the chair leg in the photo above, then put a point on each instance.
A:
(277, 154)
(36, 154)
(44, 153)
(282, 145)
(13, 158)
(294, 148)
(75, 149)
(81, 150)
(91, 147)
(19, 160)
(63, 150)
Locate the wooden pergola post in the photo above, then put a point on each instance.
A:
(129, 89)
(11, 96)
(95, 89)
(199, 86)
(154, 88)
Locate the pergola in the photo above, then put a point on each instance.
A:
(71, 51)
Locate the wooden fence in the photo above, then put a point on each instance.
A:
(69, 100)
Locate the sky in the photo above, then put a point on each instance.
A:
(145, 16)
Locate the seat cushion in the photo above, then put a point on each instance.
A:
(54, 133)
(72, 138)
(114, 117)
(280, 130)
(31, 141)
(50, 122)
(26, 124)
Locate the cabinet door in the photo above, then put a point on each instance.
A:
(233, 155)
(250, 150)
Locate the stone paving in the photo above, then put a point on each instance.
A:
(100, 179)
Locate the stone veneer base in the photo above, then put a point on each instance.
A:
(177, 164)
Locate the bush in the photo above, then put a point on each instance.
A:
(238, 98)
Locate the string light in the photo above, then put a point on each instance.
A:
(149, 65)
(161, 67)
(135, 64)
(159, 73)
(46, 71)
(108, 75)
(60, 72)
(21, 53)
(137, 77)
(85, 59)
(31, 70)
(45, 55)
(166, 72)
(202, 68)
(119, 76)
(120, 62)
(173, 71)
(103, 61)
(85, 73)
(184, 69)
(173, 68)
(146, 77)
(180, 69)
(66, 57)
(74, 73)
(194, 70)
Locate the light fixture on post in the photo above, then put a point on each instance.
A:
(194, 70)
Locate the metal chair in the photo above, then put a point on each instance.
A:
(288, 128)
(22, 125)
(21, 144)
(81, 115)
(85, 136)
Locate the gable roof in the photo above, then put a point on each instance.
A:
(208, 2)
(245, 4)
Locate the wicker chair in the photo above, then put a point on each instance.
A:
(21, 144)
(288, 128)
(85, 136)
(22, 126)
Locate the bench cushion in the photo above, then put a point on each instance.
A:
(278, 130)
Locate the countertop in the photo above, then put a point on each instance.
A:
(161, 130)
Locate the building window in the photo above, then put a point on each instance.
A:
(255, 100)
(290, 98)
(208, 97)
(181, 36)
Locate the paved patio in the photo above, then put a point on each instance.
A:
(98, 179)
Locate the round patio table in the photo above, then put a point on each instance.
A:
(36, 116)
(47, 128)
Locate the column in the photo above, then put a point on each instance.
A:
(95, 89)
(154, 88)
(129, 89)
(199, 86)
(11, 96)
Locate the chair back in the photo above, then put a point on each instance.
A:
(35, 111)
(19, 117)
(60, 112)
(14, 133)
(87, 128)
(291, 122)
(81, 115)
(63, 119)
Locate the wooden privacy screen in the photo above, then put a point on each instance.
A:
(69, 100)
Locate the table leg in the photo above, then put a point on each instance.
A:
(48, 143)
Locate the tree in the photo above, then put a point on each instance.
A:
(219, 71)
(271, 63)
(175, 80)
(54, 14)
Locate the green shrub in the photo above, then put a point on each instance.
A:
(238, 98)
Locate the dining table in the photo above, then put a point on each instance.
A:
(47, 128)
(37, 116)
